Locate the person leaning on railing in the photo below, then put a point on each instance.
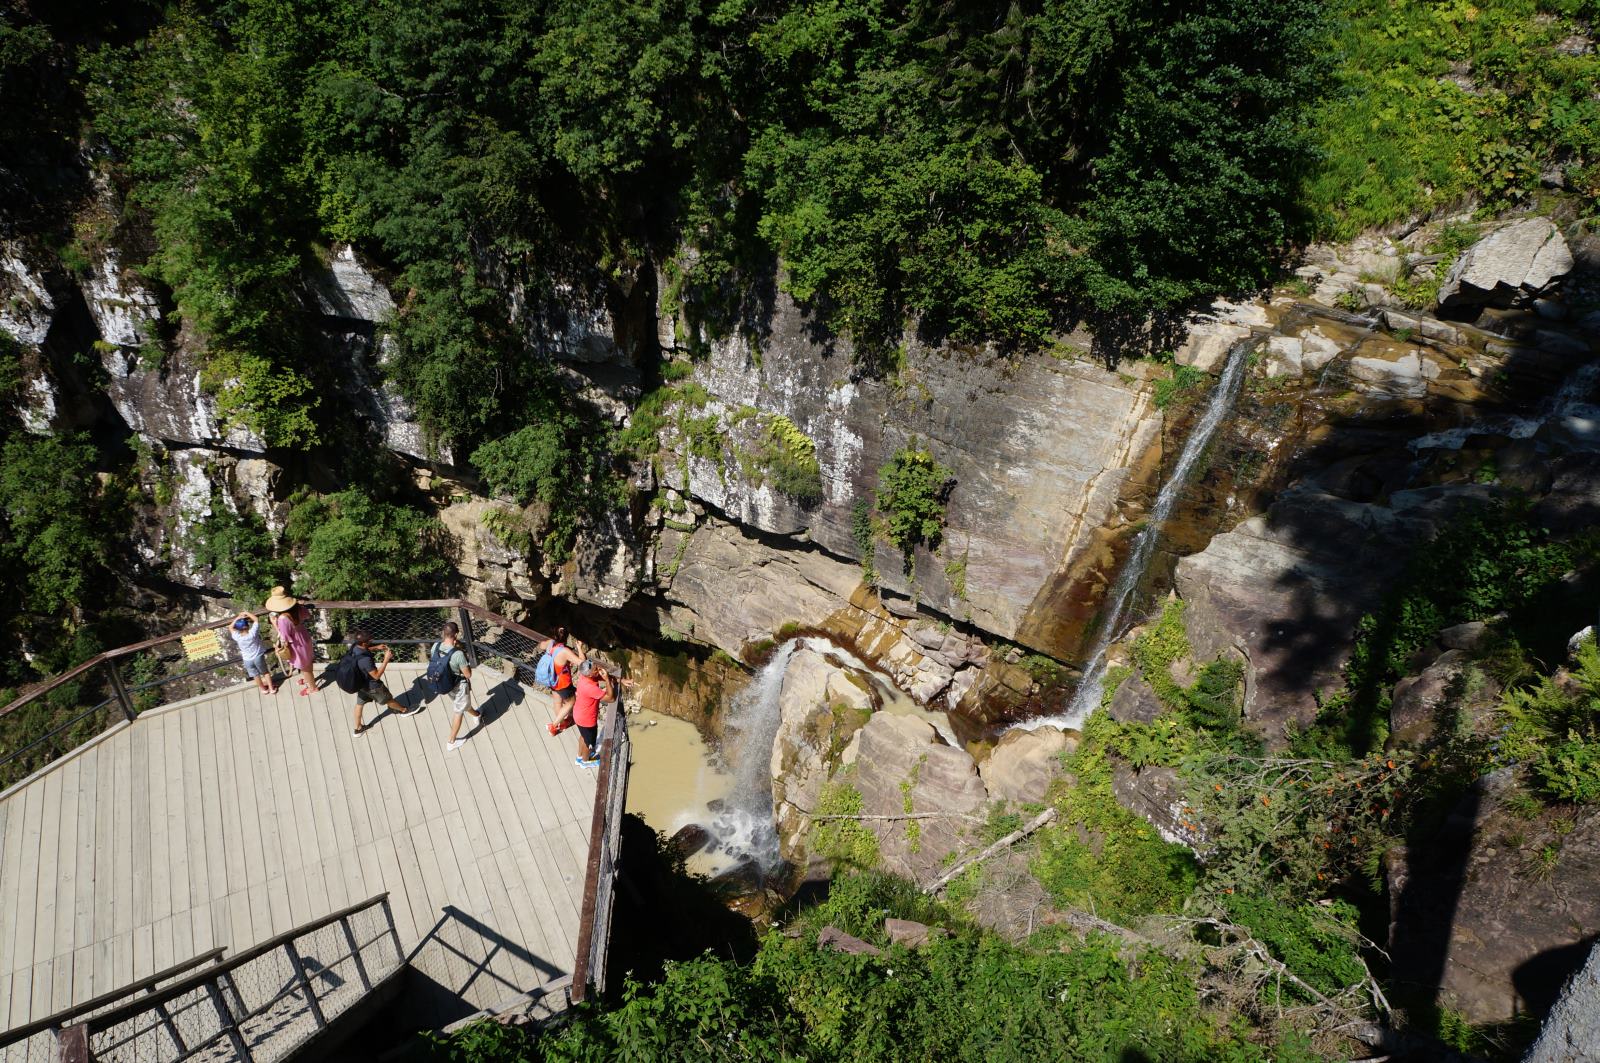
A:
(289, 618)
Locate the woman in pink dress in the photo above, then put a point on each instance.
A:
(289, 618)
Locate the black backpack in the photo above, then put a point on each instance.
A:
(347, 673)
(441, 677)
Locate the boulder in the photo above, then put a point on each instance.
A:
(1023, 764)
(1510, 266)
(1134, 701)
(1417, 701)
(1212, 335)
(910, 933)
(821, 706)
(1571, 1033)
(1478, 913)
(1286, 589)
(1391, 370)
(837, 940)
(1156, 794)
(896, 750)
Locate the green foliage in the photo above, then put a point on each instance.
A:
(1553, 730)
(789, 457)
(1158, 647)
(1179, 386)
(485, 1041)
(966, 997)
(239, 549)
(559, 463)
(864, 530)
(846, 842)
(1046, 671)
(59, 526)
(1487, 561)
(1437, 102)
(275, 401)
(1318, 943)
(353, 547)
(913, 489)
(1102, 858)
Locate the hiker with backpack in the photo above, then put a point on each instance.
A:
(357, 673)
(289, 619)
(449, 673)
(554, 670)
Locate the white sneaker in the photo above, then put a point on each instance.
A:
(457, 744)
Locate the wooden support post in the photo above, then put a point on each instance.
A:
(464, 619)
(229, 1026)
(305, 984)
(355, 953)
(120, 689)
(72, 1044)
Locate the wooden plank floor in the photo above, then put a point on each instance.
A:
(231, 818)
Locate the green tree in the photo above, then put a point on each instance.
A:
(357, 548)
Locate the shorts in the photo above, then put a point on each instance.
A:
(461, 696)
(589, 734)
(256, 666)
(568, 692)
(375, 691)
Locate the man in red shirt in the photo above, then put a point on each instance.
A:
(593, 687)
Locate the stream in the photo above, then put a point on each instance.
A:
(1218, 405)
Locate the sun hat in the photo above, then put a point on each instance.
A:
(280, 601)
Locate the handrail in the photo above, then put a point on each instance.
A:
(61, 1018)
(600, 872)
(105, 656)
(211, 974)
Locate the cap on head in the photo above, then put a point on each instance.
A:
(240, 624)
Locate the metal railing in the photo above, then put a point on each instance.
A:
(605, 847)
(38, 1041)
(259, 1006)
(112, 689)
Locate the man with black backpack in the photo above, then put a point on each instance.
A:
(449, 673)
(357, 673)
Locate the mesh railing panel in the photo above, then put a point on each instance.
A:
(262, 1002)
(37, 733)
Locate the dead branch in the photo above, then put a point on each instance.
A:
(1010, 839)
(903, 815)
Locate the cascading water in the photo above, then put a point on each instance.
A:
(1087, 697)
(742, 825)
(1570, 399)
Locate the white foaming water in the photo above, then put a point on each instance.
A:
(1569, 398)
(1087, 697)
(731, 795)
(742, 825)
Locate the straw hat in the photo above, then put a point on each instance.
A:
(279, 601)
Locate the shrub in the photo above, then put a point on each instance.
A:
(789, 457)
(357, 548)
(1553, 729)
(239, 549)
(846, 842)
(913, 489)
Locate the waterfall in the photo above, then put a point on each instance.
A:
(742, 826)
(1087, 697)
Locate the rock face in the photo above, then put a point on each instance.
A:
(1479, 913)
(1510, 266)
(821, 707)
(1040, 451)
(901, 764)
(1023, 764)
(1571, 1033)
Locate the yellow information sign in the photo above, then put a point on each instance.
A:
(202, 645)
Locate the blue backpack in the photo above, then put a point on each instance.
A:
(441, 677)
(544, 673)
